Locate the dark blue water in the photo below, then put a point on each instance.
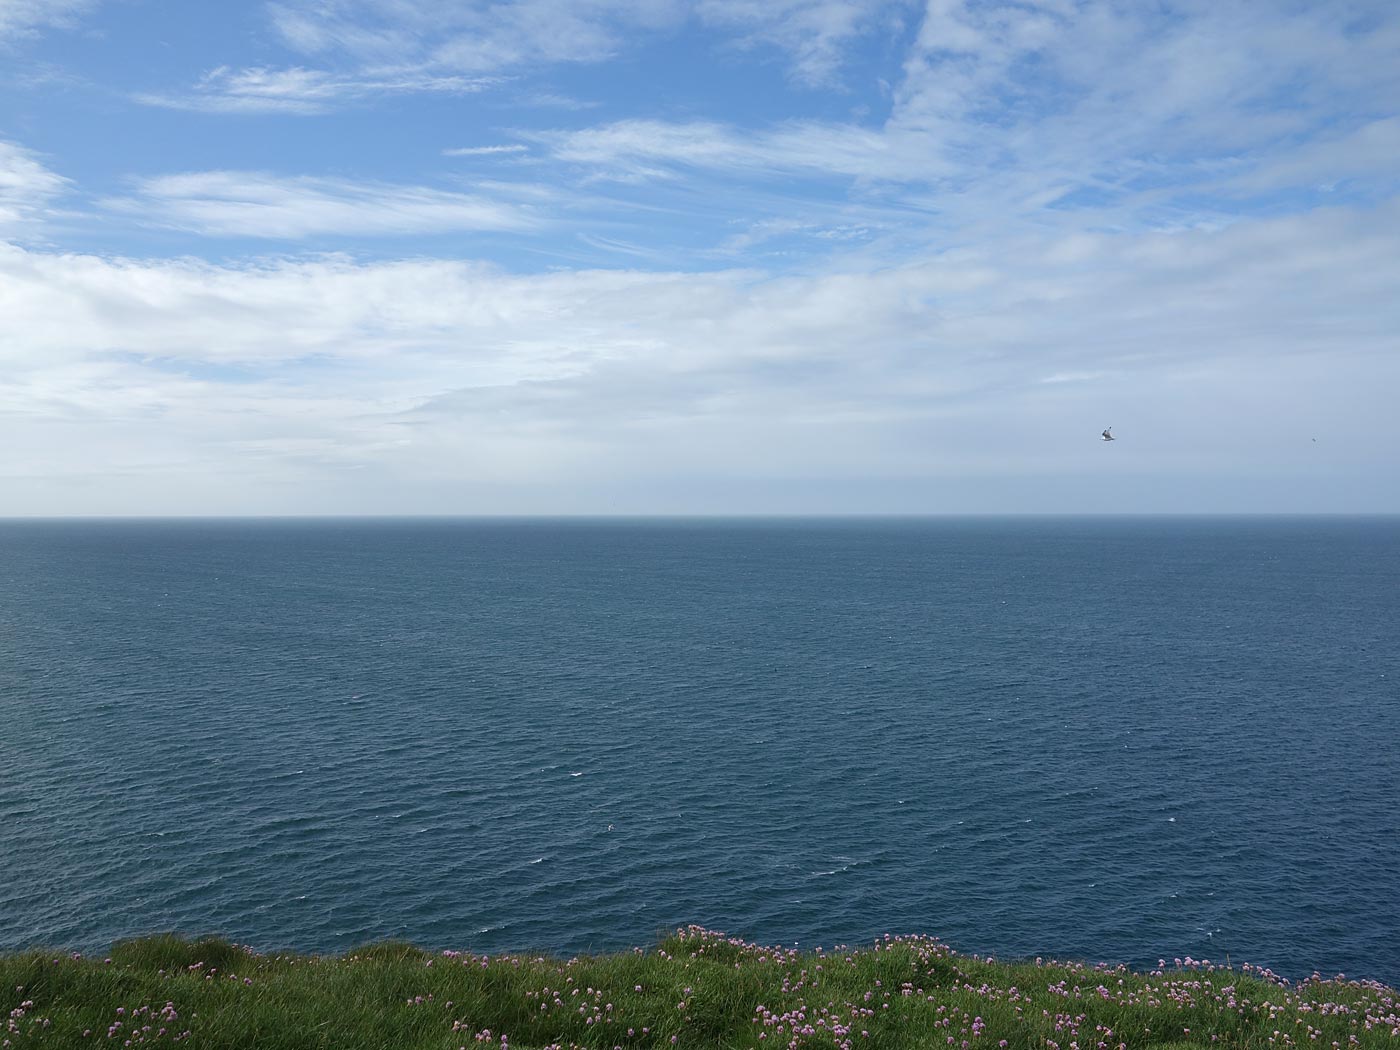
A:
(1116, 740)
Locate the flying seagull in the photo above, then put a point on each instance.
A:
(1108, 435)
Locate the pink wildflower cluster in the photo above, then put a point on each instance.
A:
(22, 1023)
(485, 1036)
(702, 943)
(146, 1024)
(838, 1024)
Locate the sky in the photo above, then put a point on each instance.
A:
(382, 257)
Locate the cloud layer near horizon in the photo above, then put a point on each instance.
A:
(437, 372)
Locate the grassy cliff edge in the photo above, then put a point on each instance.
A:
(696, 989)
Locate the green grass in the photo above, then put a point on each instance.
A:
(695, 989)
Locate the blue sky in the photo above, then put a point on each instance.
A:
(720, 256)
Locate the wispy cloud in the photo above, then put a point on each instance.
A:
(1072, 114)
(489, 36)
(253, 204)
(303, 91)
(1365, 155)
(409, 46)
(768, 230)
(472, 37)
(815, 33)
(1116, 101)
(629, 147)
(550, 100)
(20, 18)
(27, 189)
(485, 151)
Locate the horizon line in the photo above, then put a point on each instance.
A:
(694, 516)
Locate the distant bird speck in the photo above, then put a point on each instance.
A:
(1108, 435)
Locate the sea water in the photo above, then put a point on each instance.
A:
(1114, 740)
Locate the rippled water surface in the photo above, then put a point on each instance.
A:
(1116, 740)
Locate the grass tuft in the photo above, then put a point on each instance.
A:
(169, 951)
(388, 951)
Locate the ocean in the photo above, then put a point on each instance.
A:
(1117, 740)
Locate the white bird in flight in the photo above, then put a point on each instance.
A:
(1108, 435)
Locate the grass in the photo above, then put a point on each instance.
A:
(695, 989)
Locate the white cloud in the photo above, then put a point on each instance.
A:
(23, 17)
(253, 204)
(27, 189)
